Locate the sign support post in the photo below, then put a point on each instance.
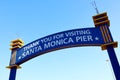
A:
(13, 71)
(12, 66)
(114, 61)
(101, 20)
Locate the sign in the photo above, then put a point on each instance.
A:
(65, 39)
(98, 36)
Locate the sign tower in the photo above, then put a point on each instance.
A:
(15, 44)
(101, 20)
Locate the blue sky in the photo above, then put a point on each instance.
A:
(33, 19)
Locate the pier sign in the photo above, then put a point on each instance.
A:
(61, 40)
(97, 36)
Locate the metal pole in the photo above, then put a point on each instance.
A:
(13, 73)
(114, 61)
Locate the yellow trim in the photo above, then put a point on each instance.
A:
(101, 19)
(99, 15)
(17, 43)
(97, 20)
(17, 66)
(114, 44)
(101, 23)
(17, 40)
(15, 47)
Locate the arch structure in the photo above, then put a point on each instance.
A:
(95, 36)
